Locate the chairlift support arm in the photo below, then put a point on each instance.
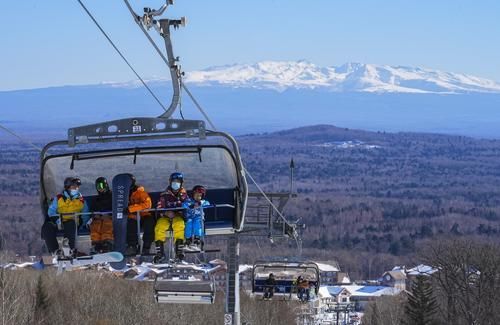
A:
(145, 23)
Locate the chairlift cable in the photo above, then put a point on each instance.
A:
(244, 168)
(121, 54)
(20, 138)
(137, 20)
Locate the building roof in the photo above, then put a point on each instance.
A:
(244, 268)
(358, 291)
(421, 270)
(324, 267)
(335, 291)
(396, 275)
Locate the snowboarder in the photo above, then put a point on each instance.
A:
(139, 200)
(173, 197)
(101, 224)
(61, 215)
(195, 216)
(269, 287)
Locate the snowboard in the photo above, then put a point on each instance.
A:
(121, 191)
(69, 263)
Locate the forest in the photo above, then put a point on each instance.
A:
(370, 200)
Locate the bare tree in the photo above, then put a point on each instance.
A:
(467, 281)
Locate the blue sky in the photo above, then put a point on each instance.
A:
(49, 43)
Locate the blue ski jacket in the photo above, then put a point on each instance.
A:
(191, 211)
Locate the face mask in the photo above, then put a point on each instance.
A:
(74, 192)
(175, 186)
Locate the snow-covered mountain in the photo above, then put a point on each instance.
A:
(350, 77)
(271, 96)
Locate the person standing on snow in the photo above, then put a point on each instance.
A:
(61, 215)
(139, 200)
(101, 224)
(195, 216)
(173, 197)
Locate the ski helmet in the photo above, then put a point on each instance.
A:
(101, 183)
(71, 181)
(200, 189)
(176, 177)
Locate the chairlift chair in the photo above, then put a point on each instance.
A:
(186, 284)
(151, 149)
(286, 271)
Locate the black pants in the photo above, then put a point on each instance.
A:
(49, 234)
(148, 227)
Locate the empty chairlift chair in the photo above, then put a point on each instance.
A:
(185, 284)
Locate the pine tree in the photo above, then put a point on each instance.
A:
(421, 305)
(41, 300)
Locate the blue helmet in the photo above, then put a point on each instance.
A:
(176, 177)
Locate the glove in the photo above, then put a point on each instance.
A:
(89, 223)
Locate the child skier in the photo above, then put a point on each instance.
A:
(195, 216)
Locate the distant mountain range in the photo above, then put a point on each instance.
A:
(270, 96)
(350, 77)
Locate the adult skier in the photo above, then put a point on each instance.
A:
(173, 197)
(139, 200)
(101, 224)
(195, 216)
(269, 287)
(61, 215)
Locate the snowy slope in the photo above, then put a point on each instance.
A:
(350, 77)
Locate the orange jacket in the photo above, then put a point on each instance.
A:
(139, 200)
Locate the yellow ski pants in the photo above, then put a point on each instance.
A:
(163, 224)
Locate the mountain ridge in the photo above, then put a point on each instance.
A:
(349, 77)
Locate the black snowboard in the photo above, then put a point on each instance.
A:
(121, 191)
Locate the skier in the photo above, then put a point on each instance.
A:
(101, 224)
(61, 215)
(173, 197)
(269, 287)
(139, 200)
(195, 216)
(303, 286)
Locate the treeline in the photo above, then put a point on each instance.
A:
(384, 201)
(462, 289)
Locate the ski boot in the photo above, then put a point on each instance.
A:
(132, 250)
(66, 250)
(107, 246)
(95, 248)
(198, 243)
(160, 252)
(179, 255)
